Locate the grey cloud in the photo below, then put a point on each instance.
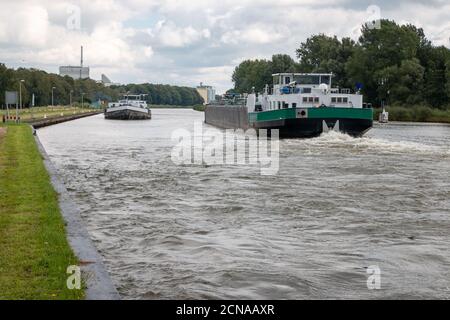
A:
(208, 36)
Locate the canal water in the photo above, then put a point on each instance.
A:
(338, 211)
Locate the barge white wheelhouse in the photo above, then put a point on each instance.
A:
(306, 90)
(306, 104)
(131, 107)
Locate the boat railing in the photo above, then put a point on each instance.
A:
(270, 90)
(228, 102)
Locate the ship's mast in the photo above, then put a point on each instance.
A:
(81, 69)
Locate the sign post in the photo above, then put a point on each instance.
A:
(7, 112)
(12, 98)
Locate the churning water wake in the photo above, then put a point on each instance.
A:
(333, 139)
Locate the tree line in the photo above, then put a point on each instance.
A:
(40, 83)
(396, 64)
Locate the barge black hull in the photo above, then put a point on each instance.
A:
(128, 115)
(310, 128)
(236, 117)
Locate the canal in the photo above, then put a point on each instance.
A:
(337, 207)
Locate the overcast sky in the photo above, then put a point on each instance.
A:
(187, 42)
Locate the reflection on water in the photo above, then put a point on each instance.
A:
(337, 206)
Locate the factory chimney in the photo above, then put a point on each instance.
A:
(81, 66)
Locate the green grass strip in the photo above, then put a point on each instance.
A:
(34, 251)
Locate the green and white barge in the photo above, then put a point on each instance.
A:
(297, 105)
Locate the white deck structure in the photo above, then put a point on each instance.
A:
(303, 90)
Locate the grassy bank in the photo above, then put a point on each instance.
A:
(34, 252)
(416, 114)
(200, 108)
(39, 113)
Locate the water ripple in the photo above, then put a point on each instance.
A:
(337, 206)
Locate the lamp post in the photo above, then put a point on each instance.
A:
(20, 99)
(70, 95)
(53, 101)
(33, 97)
(82, 100)
(20, 93)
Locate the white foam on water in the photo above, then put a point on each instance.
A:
(333, 140)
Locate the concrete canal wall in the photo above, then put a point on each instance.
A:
(51, 121)
(98, 282)
(227, 117)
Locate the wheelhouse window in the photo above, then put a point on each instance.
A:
(279, 105)
(305, 99)
(339, 100)
(333, 100)
(285, 105)
(316, 99)
(311, 99)
(345, 100)
(307, 79)
(306, 90)
(294, 105)
(276, 80)
(325, 79)
(287, 80)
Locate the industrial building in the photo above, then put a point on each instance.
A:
(75, 72)
(106, 81)
(208, 93)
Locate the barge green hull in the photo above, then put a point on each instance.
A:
(293, 122)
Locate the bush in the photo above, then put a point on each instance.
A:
(415, 113)
(421, 114)
(200, 107)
